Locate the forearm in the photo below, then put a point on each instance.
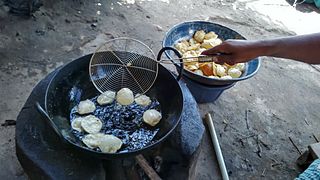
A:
(305, 48)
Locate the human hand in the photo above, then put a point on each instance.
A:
(234, 51)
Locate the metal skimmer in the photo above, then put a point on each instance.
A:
(126, 62)
(123, 62)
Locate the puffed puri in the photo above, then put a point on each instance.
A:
(125, 96)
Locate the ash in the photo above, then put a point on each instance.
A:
(124, 122)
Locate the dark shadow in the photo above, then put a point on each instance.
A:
(304, 7)
(27, 7)
(23, 7)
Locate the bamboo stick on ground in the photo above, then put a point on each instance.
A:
(216, 146)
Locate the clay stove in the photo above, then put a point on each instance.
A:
(43, 156)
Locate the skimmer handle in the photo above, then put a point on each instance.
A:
(179, 66)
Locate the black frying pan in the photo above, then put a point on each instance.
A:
(71, 84)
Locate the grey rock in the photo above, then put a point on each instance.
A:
(189, 133)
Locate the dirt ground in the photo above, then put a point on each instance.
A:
(281, 101)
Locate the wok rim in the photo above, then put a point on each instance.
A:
(120, 154)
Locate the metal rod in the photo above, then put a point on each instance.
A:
(216, 146)
(201, 59)
(182, 58)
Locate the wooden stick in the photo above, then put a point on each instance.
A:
(315, 137)
(259, 147)
(295, 145)
(252, 135)
(216, 146)
(262, 174)
(151, 173)
(264, 144)
(247, 120)
(276, 164)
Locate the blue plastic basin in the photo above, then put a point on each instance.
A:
(186, 30)
(205, 93)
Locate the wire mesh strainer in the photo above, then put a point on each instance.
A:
(123, 62)
(129, 63)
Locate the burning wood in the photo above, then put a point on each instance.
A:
(151, 173)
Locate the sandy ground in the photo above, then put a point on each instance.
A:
(282, 100)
